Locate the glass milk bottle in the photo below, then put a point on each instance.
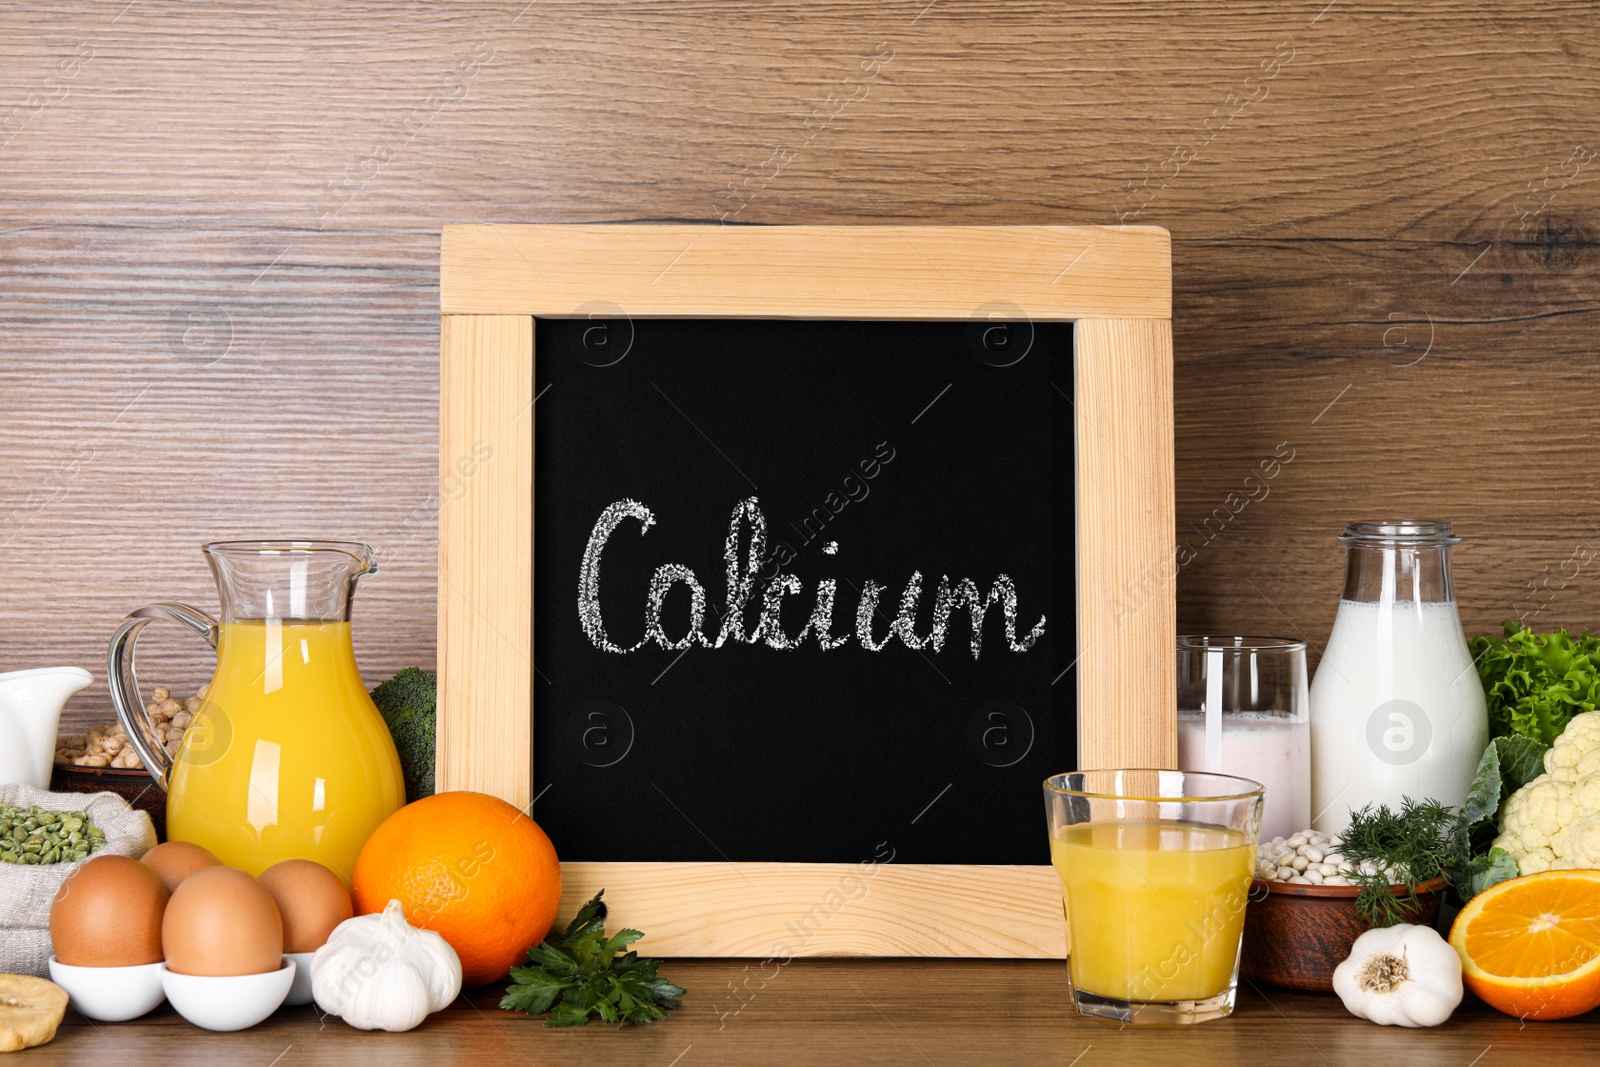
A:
(1396, 706)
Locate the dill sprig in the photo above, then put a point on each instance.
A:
(1406, 848)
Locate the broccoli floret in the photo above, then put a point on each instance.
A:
(407, 702)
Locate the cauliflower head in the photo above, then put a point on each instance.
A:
(1580, 845)
(1553, 822)
(1578, 747)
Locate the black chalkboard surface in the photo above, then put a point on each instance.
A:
(870, 452)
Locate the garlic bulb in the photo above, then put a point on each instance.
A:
(377, 972)
(1400, 976)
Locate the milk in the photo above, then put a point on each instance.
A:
(1267, 747)
(1396, 710)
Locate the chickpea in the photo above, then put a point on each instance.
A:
(108, 745)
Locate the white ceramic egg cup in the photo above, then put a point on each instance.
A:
(300, 992)
(110, 994)
(236, 1002)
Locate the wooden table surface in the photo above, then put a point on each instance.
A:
(847, 1012)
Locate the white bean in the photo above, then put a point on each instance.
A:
(1312, 853)
(1334, 840)
(1337, 879)
(1296, 841)
(1300, 863)
(1314, 876)
(1328, 869)
(1286, 874)
(1300, 880)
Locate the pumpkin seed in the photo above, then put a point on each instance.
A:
(41, 836)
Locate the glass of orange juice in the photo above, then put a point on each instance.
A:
(1155, 871)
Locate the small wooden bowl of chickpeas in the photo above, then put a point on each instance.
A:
(101, 759)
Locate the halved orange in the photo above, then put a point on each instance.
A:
(1530, 946)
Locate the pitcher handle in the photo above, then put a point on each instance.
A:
(120, 672)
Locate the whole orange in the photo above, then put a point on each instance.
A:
(469, 867)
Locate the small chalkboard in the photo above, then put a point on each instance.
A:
(691, 474)
(779, 565)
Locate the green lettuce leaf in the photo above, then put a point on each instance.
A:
(1535, 683)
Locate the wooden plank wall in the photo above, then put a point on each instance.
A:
(219, 243)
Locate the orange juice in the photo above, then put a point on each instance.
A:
(287, 758)
(1155, 909)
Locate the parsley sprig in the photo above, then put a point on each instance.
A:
(582, 973)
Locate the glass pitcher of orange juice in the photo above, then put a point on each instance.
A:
(286, 757)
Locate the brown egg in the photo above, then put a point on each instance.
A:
(108, 914)
(176, 860)
(222, 922)
(311, 899)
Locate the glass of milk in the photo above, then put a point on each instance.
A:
(1242, 710)
(1396, 707)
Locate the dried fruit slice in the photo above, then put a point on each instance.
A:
(1531, 946)
(30, 1011)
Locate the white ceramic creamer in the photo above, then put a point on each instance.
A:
(30, 714)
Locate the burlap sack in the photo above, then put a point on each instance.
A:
(26, 892)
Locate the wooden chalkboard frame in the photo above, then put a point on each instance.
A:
(1113, 283)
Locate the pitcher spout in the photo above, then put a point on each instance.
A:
(309, 580)
(30, 715)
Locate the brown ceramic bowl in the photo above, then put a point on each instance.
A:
(1295, 935)
(134, 786)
